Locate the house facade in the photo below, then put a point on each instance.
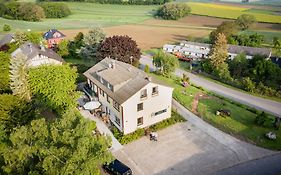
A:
(199, 51)
(37, 55)
(53, 37)
(128, 95)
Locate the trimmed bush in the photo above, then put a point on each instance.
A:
(55, 10)
(6, 28)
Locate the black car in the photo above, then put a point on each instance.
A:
(117, 168)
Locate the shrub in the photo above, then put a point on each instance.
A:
(55, 10)
(124, 139)
(175, 118)
(6, 28)
(248, 84)
(185, 78)
(31, 12)
(261, 118)
(24, 11)
(173, 11)
(3, 9)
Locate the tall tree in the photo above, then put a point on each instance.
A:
(62, 48)
(54, 85)
(92, 41)
(227, 28)
(166, 63)
(218, 55)
(246, 21)
(121, 48)
(5, 72)
(238, 67)
(19, 77)
(64, 146)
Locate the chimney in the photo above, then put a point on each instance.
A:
(113, 64)
(29, 47)
(148, 79)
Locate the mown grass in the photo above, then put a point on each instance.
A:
(241, 124)
(231, 12)
(87, 15)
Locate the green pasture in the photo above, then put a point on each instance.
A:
(232, 12)
(87, 15)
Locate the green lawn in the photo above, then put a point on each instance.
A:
(241, 124)
(86, 15)
(232, 12)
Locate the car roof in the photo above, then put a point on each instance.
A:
(118, 166)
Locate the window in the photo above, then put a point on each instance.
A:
(116, 106)
(144, 93)
(140, 121)
(155, 90)
(101, 80)
(102, 92)
(140, 107)
(108, 99)
(117, 120)
(159, 112)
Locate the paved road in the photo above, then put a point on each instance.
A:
(269, 106)
(269, 165)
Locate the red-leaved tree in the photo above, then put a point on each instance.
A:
(121, 48)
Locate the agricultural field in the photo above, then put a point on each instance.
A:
(86, 15)
(138, 22)
(232, 12)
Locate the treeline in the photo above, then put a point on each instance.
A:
(29, 11)
(128, 2)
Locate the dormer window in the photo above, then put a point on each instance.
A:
(101, 80)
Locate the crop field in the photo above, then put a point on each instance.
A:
(86, 15)
(232, 12)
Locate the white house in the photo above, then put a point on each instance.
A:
(200, 50)
(37, 55)
(128, 95)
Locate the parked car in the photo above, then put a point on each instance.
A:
(117, 168)
(223, 112)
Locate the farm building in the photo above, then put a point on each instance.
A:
(199, 51)
(129, 97)
(37, 55)
(53, 37)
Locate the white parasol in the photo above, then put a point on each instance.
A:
(92, 105)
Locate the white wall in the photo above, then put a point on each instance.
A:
(151, 105)
(40, 60)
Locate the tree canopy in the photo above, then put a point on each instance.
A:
(121, 48)
(65, 146)
(227, 28)
(4, 75)
(54, 85)
(166, 63)
(246, 21)
(173, 11)
(91, 42)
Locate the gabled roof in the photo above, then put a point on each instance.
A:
(126, 79)
(6, 39)
(51, 32)
(195, 44)
(31, 50)
(248, 50)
